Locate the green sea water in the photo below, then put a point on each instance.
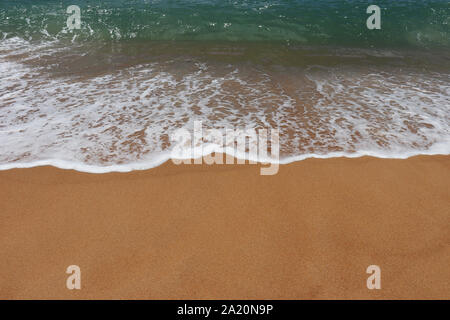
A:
(404, 23)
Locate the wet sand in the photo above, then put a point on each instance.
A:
(203, 232)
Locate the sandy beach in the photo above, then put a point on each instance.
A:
(203, 232)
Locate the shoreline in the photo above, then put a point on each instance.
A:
(225, 232)
(249, 160)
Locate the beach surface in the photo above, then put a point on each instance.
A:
(226, 232)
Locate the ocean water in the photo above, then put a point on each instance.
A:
(107, 97)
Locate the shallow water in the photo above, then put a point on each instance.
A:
(106, 104)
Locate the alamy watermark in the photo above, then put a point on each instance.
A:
(74, 20)
(74, 280)
(374, 281)
(210, 146)
(373, 22)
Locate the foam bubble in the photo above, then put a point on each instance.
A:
(122, 119)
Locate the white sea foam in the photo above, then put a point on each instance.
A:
(121, 120)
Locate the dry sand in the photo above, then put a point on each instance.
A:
(204, 232)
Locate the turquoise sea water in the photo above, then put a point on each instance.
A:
(417, 23)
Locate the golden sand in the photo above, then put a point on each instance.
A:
(201, 232)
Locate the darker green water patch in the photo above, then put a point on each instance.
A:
(404, 23)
